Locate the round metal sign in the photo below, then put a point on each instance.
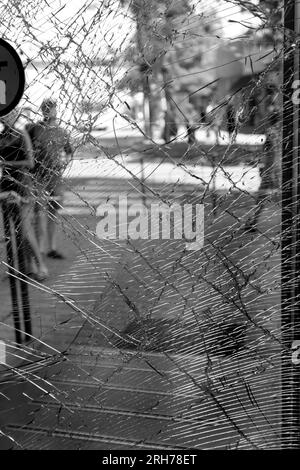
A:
(12, 78)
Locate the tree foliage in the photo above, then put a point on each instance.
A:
(169, 53)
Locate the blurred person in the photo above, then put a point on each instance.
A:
(170, 127)
(253, 105)
(230, 118)
(16, 160)
(52, 153)
(214, 119)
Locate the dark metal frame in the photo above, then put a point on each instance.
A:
(290, 237)
(16, 269)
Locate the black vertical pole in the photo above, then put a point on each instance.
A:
(296, 317)
(12, 279)
(22, 268)
(290, 240)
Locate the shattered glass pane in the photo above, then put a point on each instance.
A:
(156, 200)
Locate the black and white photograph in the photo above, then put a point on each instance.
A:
(149, 228)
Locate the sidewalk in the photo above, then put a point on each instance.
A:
(175, 150)
(204, 135)
(120, 394)
(150, 346)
